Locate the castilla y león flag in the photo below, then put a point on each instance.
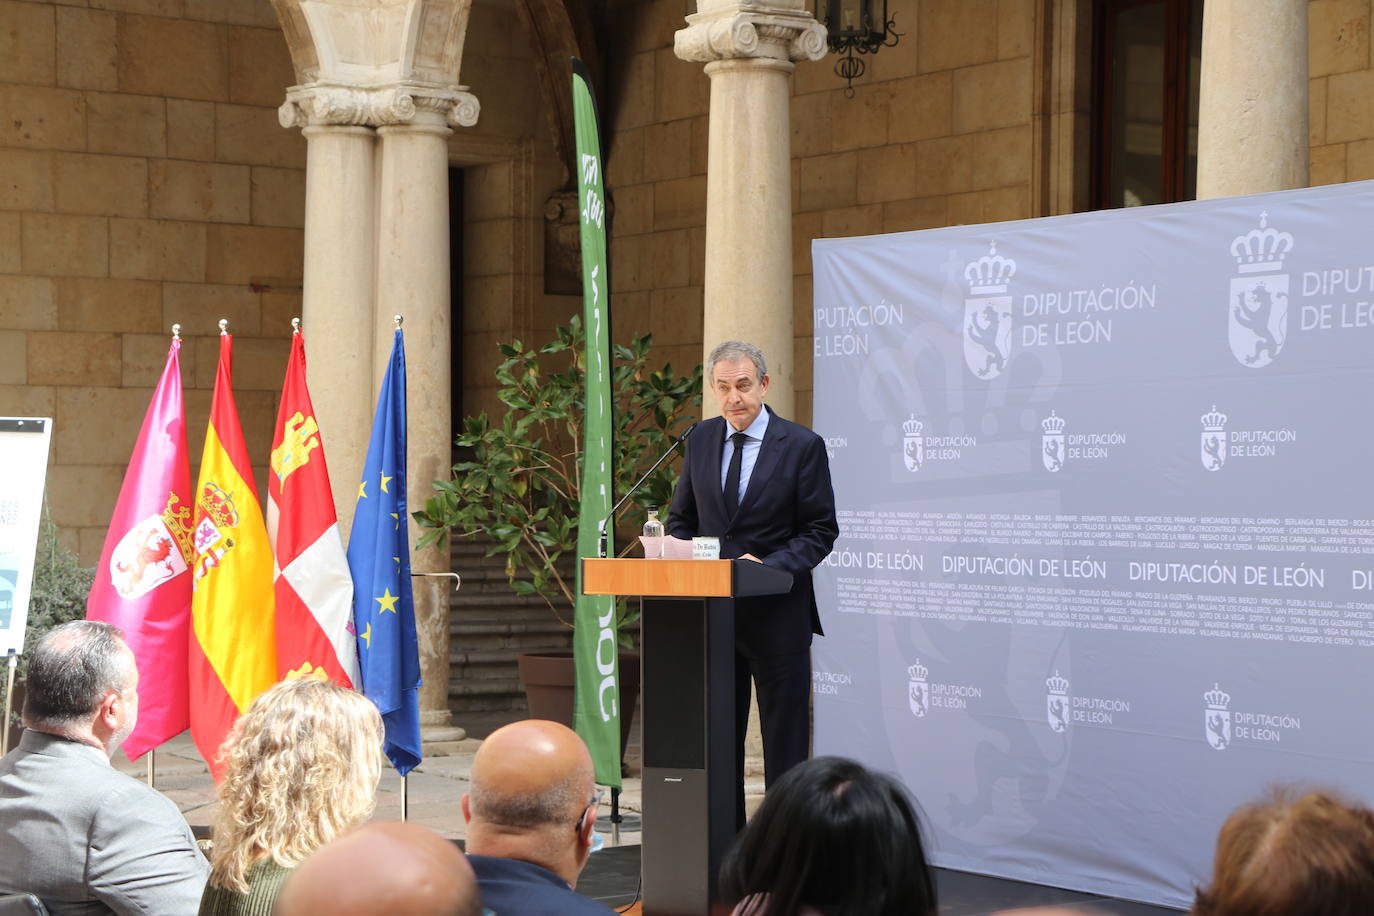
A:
(143, 582)
(233, 654)
(313, 587)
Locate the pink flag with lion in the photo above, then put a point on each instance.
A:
(143, 583)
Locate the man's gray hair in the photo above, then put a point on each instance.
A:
(556, 805)
(736, 349)
(71, 670)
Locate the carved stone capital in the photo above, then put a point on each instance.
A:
(465, 110)
(375, 106)
(746, 33)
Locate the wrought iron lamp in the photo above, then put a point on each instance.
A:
(856, 27)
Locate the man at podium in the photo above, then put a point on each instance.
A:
(762, 485)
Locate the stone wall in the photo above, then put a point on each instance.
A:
(509, 170)
(1341, 90)
(144, 180)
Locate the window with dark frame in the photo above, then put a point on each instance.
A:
(1147, 57)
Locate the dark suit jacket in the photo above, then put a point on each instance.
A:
(513, 888)
(786, 519)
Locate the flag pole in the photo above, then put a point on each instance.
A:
(9, 704)
(152, 763)
(405, 780)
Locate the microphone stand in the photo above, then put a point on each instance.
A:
(602, 537)
(601, 549)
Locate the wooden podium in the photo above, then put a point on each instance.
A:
(687, 639)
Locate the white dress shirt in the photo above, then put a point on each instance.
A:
(755, 432)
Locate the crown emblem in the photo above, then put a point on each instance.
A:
(1052, 424)
(918, 671)
(990, 273)
(1261, 249)
(913, 426)
(1214, 421)
(177, 517)
(218, 506)
(1058, 685)
(1217, 698)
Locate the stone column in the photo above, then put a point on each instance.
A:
(338, 281)
(748, 280)
(1252, 122)
(413, 281)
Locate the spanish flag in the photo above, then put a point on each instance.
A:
(233, 654)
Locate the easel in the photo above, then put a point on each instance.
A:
(13, 660)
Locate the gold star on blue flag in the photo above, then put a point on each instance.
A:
(379, 558)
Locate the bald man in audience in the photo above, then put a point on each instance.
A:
(389, 868)
(530, 818)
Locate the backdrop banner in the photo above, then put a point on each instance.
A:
(1106, 556)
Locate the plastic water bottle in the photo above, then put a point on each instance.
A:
(653, 528)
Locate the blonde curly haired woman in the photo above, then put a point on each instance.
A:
(301, 767)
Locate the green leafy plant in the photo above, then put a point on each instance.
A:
(519, 482)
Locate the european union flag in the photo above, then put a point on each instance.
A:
(379, 559)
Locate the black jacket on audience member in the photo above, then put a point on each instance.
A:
(514, 888)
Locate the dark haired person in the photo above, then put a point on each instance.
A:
(74, 831)
(831, 838)
(1287, 854)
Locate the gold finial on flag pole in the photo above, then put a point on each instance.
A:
(176, 332)
(295, 325)
(398, 319)
(224, 327)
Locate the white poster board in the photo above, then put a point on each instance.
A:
(24, 458)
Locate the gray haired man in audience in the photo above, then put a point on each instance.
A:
(75, 832)
(530, 815)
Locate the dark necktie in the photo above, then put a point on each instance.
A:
(732, 475)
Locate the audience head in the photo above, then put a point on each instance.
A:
(1291, 853)
(83, 684)
(301, 767)
(533, 797)
(833, 837)
(392, 868)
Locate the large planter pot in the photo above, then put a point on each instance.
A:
(549, 685)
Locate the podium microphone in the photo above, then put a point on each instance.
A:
(602, 541)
